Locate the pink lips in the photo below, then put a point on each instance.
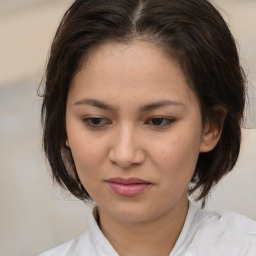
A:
(128, 187)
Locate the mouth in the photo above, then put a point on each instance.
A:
(128, 187)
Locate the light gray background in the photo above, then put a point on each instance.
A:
(35, 215)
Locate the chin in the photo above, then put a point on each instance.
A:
(130, 213)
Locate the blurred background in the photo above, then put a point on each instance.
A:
(34, 214)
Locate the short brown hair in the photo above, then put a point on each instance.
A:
(191, 31)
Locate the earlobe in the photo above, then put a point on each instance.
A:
(67, 143)
(210, 137)
(213, 130)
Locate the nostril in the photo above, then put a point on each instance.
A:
(127, 159)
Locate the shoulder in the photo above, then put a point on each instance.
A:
(77, 246)
(223, 233)
(92, 242)
(225, 221)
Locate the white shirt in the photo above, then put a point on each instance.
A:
(205, 233)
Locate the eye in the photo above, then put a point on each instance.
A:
(96, 121)
(160, 121)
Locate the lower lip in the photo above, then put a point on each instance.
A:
(128, 189)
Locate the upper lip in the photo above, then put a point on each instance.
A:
(128, 180)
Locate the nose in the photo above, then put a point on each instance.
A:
(126, 149)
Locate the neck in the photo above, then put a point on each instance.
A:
(154, 237)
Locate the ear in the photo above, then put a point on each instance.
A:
(67, 143)
(212, 130)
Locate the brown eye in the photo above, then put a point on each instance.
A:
(157, 121)
(160, 121)
(96, 121)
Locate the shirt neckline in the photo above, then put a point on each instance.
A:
(103, 247)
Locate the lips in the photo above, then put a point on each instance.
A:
(128, 187)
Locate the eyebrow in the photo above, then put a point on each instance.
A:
(159, 104)
(94, 103)
(145, 108)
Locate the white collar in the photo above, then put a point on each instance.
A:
(102, 246)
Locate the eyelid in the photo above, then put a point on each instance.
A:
(169, 121)
(87, 120)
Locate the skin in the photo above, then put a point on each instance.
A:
(127, 142)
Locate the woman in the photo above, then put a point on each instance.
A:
(142, 107)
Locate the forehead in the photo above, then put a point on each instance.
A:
(139, 70)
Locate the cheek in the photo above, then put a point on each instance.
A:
(177, 155)
(88, 161)
(87, 158)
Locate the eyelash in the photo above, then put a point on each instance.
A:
(89, 121)
(167, 120)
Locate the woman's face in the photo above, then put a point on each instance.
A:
(135, 130)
